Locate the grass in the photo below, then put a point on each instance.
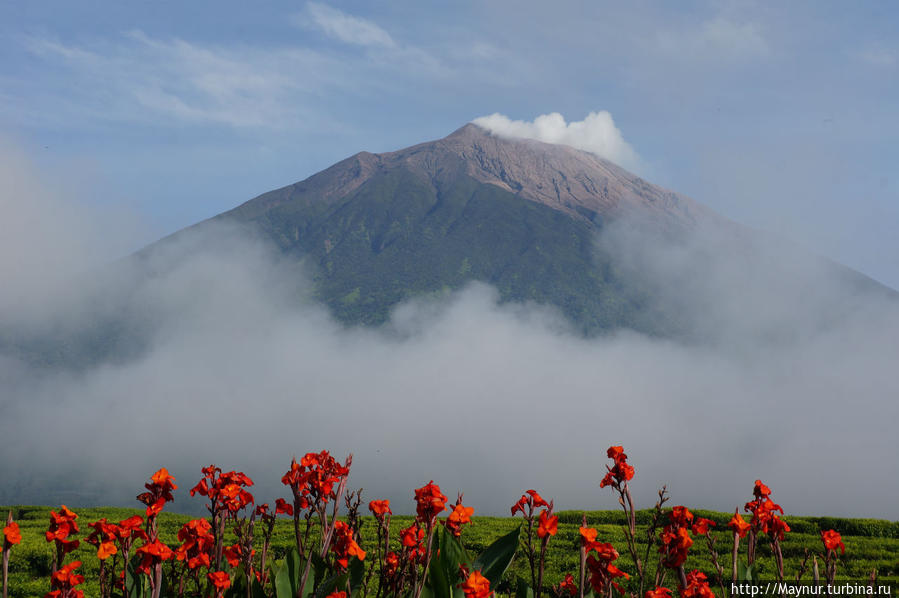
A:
(870, 544)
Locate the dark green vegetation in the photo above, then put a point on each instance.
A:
(870, 544)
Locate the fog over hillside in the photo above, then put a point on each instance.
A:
(483, 398)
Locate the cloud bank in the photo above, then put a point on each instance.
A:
(237, 366)
(597, 133)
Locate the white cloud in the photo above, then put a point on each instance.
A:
(140, 77)
(597, 133)
(347, 28)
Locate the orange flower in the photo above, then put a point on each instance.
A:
(697, 586)
(219, 580)
(659, 592)
(153, 553)
(832, 540)
(65, 579)
(336, 595)
(344, 545)
(412, 535)
(738, 525)
(681, 516)
(532, 500)
(460, 516)
(106, 550)
(380, 508)
(761, 490)
(11, 535)
(602, 572)
(566, 586)
(588, 538)
(701, 527)
(547, 525)
(431, 502)
(476, 586)
(620, 472)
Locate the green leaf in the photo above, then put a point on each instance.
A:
(357, 573)
(495, 559)
(745, 572)
(523, 590)
(287, 577)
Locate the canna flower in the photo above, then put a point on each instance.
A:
(697, 586)
(379, 508)
(153, 553)
(62, 525)
(659, 592)
(566, 586)
(391, 564)
(832, 541)
(282, 506)
(336, 595)
(738, 525)
(64, 581)
(460, 516)
(219, 580)
(603, 573)
(430, 503)
(344, 545)
(532, 500)
(701, 526)
(588, 538)
(412, 535)
(476, 586)
(159, 492)
(11, 535)
(620, 473)
(547, 525)
(681, 516)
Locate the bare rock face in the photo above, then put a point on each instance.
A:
(578, 183)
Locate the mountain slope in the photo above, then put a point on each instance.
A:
(517, 214)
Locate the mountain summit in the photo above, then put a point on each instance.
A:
(519, 214)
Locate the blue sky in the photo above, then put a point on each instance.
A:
(782, 116)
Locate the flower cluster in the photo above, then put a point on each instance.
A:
(676, 540)
(226, 491)
(620, 472)
(600, 559)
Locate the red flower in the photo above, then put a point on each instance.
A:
(62, 525)
(761, 491)
(380, 508)
(336, 595)
(832, 540)
(431, 502)
(547, 525)
(738, 525)
(620, 472)
(219, 580)
(602, 572)
(681, 516)
(697, 586)
(344, 545)
(282, 506)
(159, 492)
(530, 499)
(391, 564)
(153, 553)
(476, 586)
(460, 516)
(412, 535)
(65, 579)
(675, 544)
(659, 592)
(11, 535)
(701, 526)
(566, 586)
